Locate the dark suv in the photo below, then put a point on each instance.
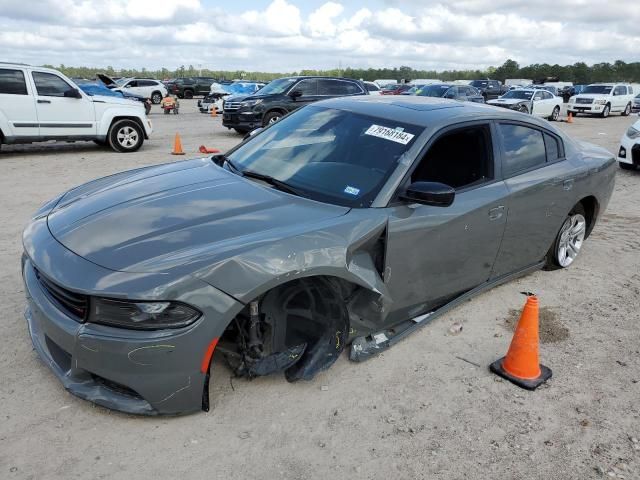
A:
(190, 86)
(281, 96)
(490, 89)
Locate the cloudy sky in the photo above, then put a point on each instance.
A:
(287, 35)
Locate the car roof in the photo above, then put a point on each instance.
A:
(425, 111)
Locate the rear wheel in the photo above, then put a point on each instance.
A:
(568, 242)
(627, 110)
(125, 136)
(156, 98)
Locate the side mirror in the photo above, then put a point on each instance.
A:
(73, 93)
(127, 86)
(252, 133)
(295, 94)
(429, 193)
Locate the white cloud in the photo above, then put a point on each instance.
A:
(279, 37)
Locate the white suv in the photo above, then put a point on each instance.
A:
(146, 87)
(602, 99)
(40, 104)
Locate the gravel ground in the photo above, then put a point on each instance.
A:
(427, 408)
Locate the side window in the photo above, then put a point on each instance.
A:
(12, 82)
(459, 158)
(50, 85)
(132, 83)
(620, 90)
(329, 87)
(547, 95)
(523, 148)
(146, 83)
(371, 87)
(553, 148)
(538, 96)
(308, 87)
(630, 90)
(350, 88)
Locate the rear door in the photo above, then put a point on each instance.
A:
(58, 115)
(540, 184)
(17, 104)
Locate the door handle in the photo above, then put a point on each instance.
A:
(496, 212)
(567, 184)
(44, 101)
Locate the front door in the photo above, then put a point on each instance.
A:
(436, 253)
(308, 88)
(61, 116)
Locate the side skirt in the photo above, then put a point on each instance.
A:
(363, 348)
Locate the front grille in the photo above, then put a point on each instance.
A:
(230, 106)
(584, 101)
(74, 304)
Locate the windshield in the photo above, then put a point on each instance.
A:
(433, 90)
(328, 155)
(606, 89)
(520, 94)
(277, 86)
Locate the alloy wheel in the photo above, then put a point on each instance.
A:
(127, 137)
(273, 120)
(571, 239)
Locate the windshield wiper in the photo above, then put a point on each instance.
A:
(274, 182)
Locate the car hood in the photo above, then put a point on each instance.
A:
(135, 220)
(592, 95)
(507, 101)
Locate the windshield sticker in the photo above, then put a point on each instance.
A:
(351, 190)
(394, 135)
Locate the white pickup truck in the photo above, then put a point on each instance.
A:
(40, 104)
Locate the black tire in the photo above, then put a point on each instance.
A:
(315, 313)
(271, 117)
(125, 136)
(156, 98)
(241, 131)
(555, 115)
(626, 166)
(627, 110)
(607, 110)
(552, 261)
(188, 94)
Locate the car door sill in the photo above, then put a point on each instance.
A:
(365, 347)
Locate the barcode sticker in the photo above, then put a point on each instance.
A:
(392, 134)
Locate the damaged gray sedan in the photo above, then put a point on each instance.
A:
(349, 223)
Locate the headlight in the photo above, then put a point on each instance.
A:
(601, 101)
(142, 315)
(250, 103)
(633, 133)
(572, 99)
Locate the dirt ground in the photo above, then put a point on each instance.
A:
(422, 410)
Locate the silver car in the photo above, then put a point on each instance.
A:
(349, 223)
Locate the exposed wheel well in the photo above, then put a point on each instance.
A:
(591, 209)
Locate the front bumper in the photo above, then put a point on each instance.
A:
(585, 108)
(629, 151)
(137, 372)
(247, 120)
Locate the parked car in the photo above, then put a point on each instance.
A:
(629, 151)
(148, 88)
(190, 86)
(40, 104)
(372, 88)
(395, 89)
(538, 102)
(635, 108)
(455, 92)
(602, 99)
(281, 96)
(489, 88)
(346, 223)
(98, 88)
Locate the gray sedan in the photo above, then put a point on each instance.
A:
(349, 223)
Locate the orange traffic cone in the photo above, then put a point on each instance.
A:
(177, 146)
(204, 149)
(521, 364)
(570, 119)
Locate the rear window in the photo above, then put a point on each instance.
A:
(524, 148)
(12, 82)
